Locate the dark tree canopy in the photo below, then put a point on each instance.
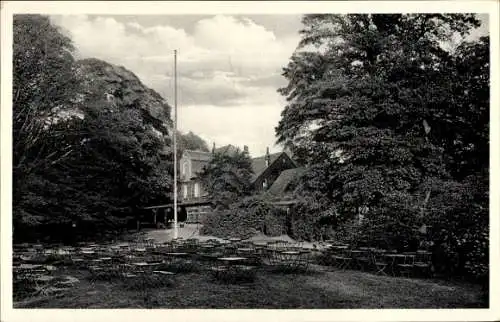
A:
(191, 141)
(91, 142)
(386, 115)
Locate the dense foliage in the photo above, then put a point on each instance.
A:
(43, 80)
(91, 142)
(227, 177)
(393, 124)
(191, 141)
(245, 218)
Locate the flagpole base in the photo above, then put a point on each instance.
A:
(176, 232)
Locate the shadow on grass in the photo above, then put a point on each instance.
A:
(270, 290)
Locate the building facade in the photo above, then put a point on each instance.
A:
(193, 196)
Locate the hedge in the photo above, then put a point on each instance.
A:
(245, 219)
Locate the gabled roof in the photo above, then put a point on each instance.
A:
(199, 159)
(259, 163)
(197, 155)
(207, 156)
(282, 184)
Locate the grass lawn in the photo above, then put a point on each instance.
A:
(321, 288)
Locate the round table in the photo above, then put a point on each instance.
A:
(233, 268)
(245, 250)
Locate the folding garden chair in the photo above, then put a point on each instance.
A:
(362, 259)
(405, 265)
(423, 263)
(343, 258)
(379, 262)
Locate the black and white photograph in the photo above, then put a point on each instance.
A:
(247, 159)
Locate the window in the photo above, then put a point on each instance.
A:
(196, 189)
(184, 191)
(185, 168)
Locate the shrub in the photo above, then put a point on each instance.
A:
(244, 219)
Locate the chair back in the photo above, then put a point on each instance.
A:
(423, 257)
(378, 256)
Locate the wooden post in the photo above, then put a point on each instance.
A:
(154, 216)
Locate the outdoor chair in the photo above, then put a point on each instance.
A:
(249, 251)
(342, 258)
(191, 245)
(230, 249)
(406, 266)
(423, 263)
(233, 271)
(361, 259)
(268, 256)
(379, 262)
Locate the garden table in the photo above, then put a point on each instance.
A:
(233, 268)
(145, 264)
(231, 260)
(296, 259)
(30, 266)
(178, 259)
(245, 250)
(393, 260)
(176, 254)
(262, 243)
(288, 257)
(63, 251)
(342, 257)
(361, 258)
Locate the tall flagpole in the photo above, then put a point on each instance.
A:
(175, 144)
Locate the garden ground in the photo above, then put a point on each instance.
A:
(321, 287)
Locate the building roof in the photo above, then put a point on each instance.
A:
(207, 156)
(282, 184)
(199, 159)
(259, 163)
(197, 155)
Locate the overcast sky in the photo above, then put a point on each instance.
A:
(229, 67)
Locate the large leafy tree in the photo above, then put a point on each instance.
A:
(384, 114)
(227, 177)
(43, 81)
(191, 141)
(78, 155)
